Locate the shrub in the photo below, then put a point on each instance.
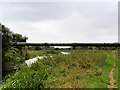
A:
(33, 77)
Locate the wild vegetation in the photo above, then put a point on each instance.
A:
(80, 69)
(10, 55)
(33, 53)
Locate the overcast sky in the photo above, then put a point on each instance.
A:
(70, 22)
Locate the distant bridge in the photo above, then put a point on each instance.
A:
(23, 44)
(68, 44)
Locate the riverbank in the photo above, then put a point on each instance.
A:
(79, 69)
(33, 60)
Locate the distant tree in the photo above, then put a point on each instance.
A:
(56, 48)
(37, 48)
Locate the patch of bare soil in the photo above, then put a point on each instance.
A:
(112, 79)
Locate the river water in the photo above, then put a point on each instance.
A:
(65, 53)
(33, 60)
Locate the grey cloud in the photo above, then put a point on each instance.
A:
(35, 11)
(63, 22)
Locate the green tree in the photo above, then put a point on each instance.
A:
(37, 47)
(9, 52)
(19, 38)
(6, 38)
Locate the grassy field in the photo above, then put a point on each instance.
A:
(79, 69)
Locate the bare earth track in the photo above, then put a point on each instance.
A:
(111, 78)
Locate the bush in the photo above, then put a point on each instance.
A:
(33, 77)
(13, 54)
(27, 56)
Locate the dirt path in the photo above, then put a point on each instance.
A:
(111, 78)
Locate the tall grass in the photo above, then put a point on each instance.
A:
(79, 69)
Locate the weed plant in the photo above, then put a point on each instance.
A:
(79, 69)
